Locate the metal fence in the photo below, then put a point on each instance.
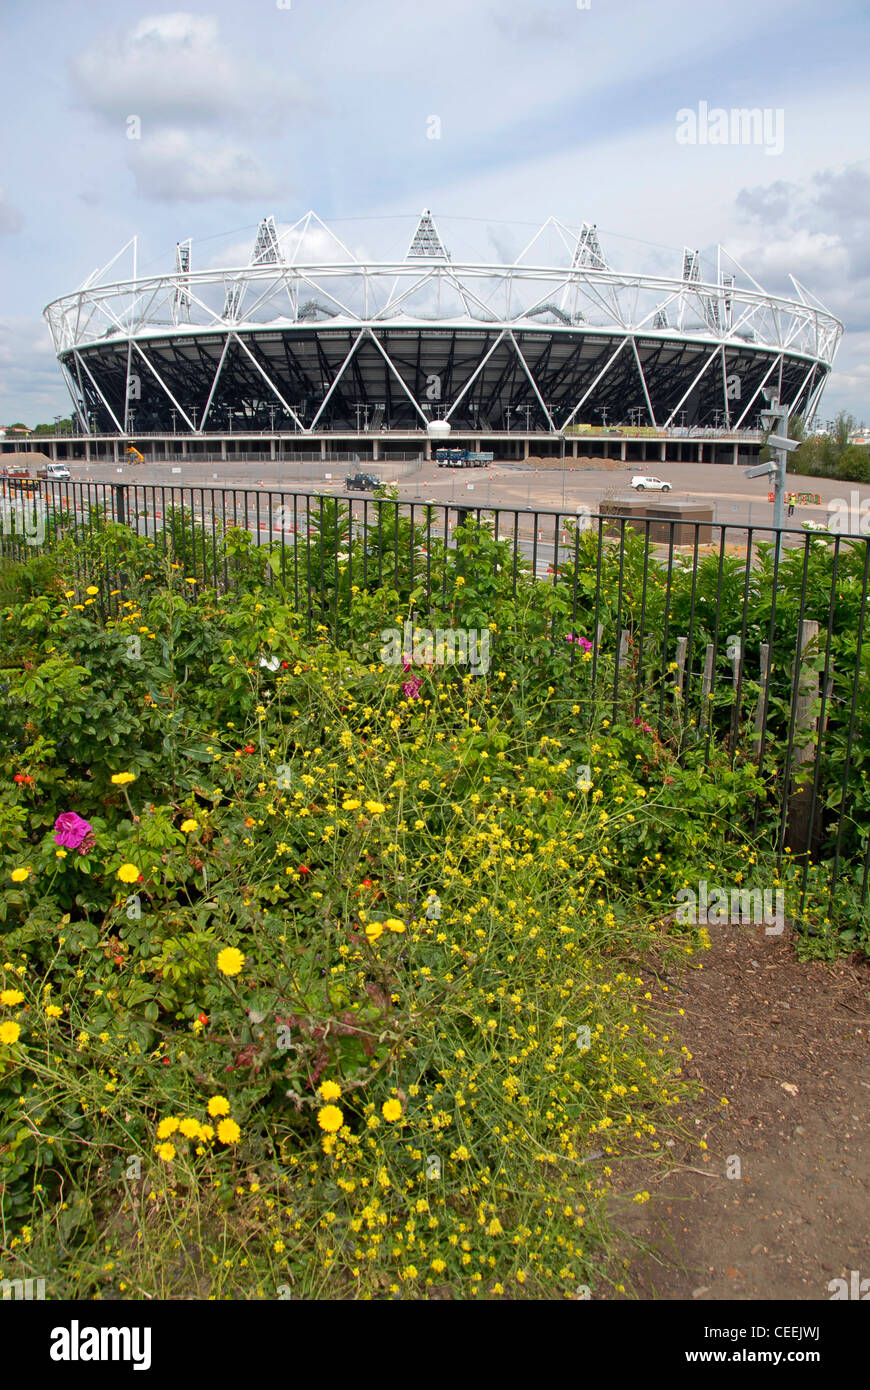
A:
(717, 635)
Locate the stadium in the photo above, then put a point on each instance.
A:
(313, 340)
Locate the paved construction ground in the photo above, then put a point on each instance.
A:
(736, 500)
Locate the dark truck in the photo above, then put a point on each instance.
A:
(461, 458)
(362, 482)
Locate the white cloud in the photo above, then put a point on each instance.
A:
(195, 114)
(171, 69)
(174, 165)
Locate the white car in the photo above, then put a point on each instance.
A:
(642, 483)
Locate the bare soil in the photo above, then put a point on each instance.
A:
(786, 1044)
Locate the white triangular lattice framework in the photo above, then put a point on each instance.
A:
(315, 336)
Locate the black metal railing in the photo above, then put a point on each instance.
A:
(715, 634)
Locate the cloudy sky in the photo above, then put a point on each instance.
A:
(493, 113)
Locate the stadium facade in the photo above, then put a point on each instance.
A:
(311, 339)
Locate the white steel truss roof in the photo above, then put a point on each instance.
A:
(574, 291)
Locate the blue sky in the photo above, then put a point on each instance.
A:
(544, 108)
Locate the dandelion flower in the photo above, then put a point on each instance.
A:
(230, 961)
(228, 1132)
(166, 1152)
(128, 873)
(218, 1105)
(330, 1118)
(374, 930)
(391, 1110)
(329, 1090)
(189, 1128)
(11, 997)
(188, 825)
(92, 589)
(19, 875)
(121, 779)
(10, 1033)
(167, 1127)
(350, 804)
(375, 808)
(53, 1011)
(393, 924)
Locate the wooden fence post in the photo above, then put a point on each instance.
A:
(706, 686)
(805, 720)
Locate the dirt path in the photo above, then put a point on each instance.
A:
(788, 1045)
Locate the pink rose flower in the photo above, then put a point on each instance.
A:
(71, 831)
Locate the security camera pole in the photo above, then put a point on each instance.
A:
(775, 419)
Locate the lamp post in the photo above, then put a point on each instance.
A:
(775, 421)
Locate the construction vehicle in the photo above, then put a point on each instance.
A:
(133, 454)
(461, 458)
(17, 479)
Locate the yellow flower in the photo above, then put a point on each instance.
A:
(329, 1090)
(128, 873)
(228, 1132)
(189, 1128)
(373, 931)
(494, 1228)
(391, 1110)
(19, 875)
(167, 1127)
(53, 1011)
(10, 1033)
(121, 779)
(230, 961)
(166, 1152)
(393, 924)
(218, 1105)
(92, 589)
(376, 808)
(11, 996)
(330, 1118)
(188, 825)
(350, 804)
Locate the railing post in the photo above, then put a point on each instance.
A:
(120, 502)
